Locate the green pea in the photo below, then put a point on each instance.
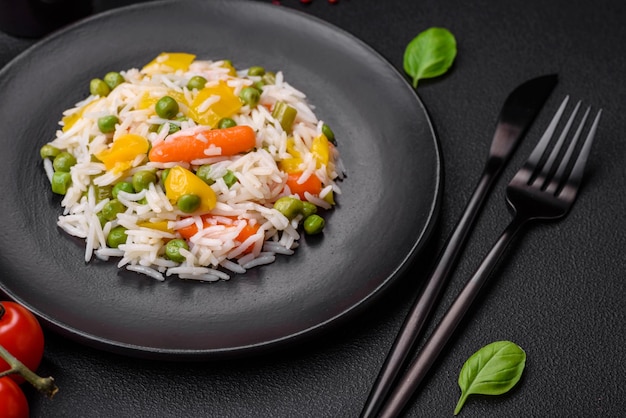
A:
(103, 192)
(172, 250)
(256, 70)
(308, 209)
(226, 123)
(166, 107)
(63, 162)
(98, 87)
(113, 79)
(328, 133)
(101, 219)
(196, 82)
(142, 180)
(250, 96)
(172, 128)
(258, 85)
(188, 203)
(116, 237)
(61, 182)
(122, 186)
(313, 224)
(49, 151)
(289, 206)
(112, 208)
(204, 173)
(106, 124)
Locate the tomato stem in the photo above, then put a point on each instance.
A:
(45, 385)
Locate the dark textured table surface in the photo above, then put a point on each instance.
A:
(559, 292)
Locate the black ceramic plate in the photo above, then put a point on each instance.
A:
(385, 213)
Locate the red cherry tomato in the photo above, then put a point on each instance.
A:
(13, 402)
(20, 335)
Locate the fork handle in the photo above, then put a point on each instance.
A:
(418, 369)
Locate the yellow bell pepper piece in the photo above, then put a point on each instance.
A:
(228, 105)
(291, 165)
(160, 225)
(170, 60)
(181, 181)
(70, 120)
(123, 151)
(320, 149)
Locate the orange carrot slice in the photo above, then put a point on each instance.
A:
(312, 185)
(189, 145)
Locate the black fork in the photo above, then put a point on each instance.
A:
(544, 188)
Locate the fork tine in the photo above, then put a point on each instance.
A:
(542, 145)
(558, 176)
(547, 168)
(576, 174)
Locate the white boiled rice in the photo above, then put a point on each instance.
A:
(214, 251)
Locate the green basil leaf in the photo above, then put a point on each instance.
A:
(492, 370)
(429, 54)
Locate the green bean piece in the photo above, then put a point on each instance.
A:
(328, 133)
(250, 96)
(204, 173)
(313, 224)
(330, 198)
(229, 178)
(166, 107)
(171, 129)
(226, 123)
(188, 203)
(289, 206)
(269, 78)
(196, 82)
(106, 124)
(113, 79)
(256, 70)
(285, 115)
(49, 151)
(103, 192)
(63, 162)
(98, 87)
(112, 208)
(122, 186)
(172, 250)
(117, 236)
(61, 181)
(308, 209)
(142, 179)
